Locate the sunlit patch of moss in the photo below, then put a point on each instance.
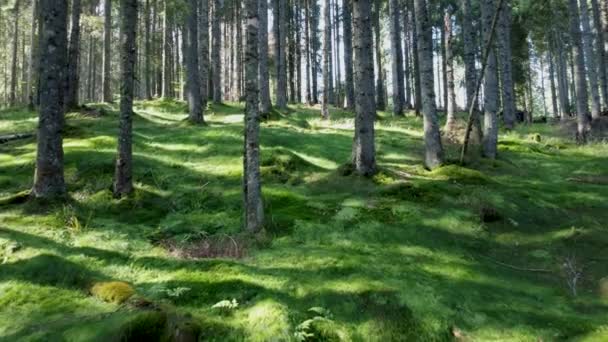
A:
(460, 174)
(112, 291)
(267, 320)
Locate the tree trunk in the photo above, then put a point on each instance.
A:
(216, 36)
(554, 107)
(32, 56)
(193, 86)
(349, 86)
(48, 178)
(147, 53)
(562, 70)
(326, 60)
(280, 44)
(406, 58)
(432, 138)
(13, 93)
(167, 37)
(123, 176)
(203, 42)
(364, 150)
(107, 41)
(72, 81)
(449, 64)
(298, 45)
(396, 58)
(417, 90)
(468, 38)
(380, 100)
(490, 125)
(602, 55)
(308, 53)
(265, 104)
(337, 68)
(506, 66)
(314, 25)
(252, 192)
(582, 109)
(590, 59)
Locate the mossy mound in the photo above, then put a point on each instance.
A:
(409, 192)
(461, 174)
(325, 330)
(113, 291)
(147, 326)
(282, 166)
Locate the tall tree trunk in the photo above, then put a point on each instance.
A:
(380, 100)
(265, 103)
(13, 93)
(602, 55)
(338, 78)
(252, 190)
(396, 58)
(107, 41)
(193, 86)
(291, 56)
(444, 68)
(308, 53)
(298, 45)
(490, 125)
(203, 41)
(449, 67)
(406, 57)
(48, 179)
(582, 109)
(32, 55)
(349, 86)
(147, 53)
(432, 138)
(506, 67)
(123, 176)
(562, 71)
(326, 60)
(468, 38)
(591, 60)
(72, 81)
(314, 28)
(167, 38)
(416, 60)
(542, 85)
(281, 43)
(550, 57)
(364, 150)
(216, 36)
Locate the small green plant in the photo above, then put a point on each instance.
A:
(226, 306)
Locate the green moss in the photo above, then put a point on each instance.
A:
(147, 326)
(461, 174)
(116, 292)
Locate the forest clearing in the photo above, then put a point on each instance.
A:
(360, 170)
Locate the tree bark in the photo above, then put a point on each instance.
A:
(265, 103)
(364, 150)
(582, 109)
(13, 93)
(396, 58)
(193, 86)
(107, 41)
(554, 107)
(506, 66)
(468, 38)
(490, 124)
(32, 56)
(326, 60)
(590, 60)
(281, 43)
(252, 193)
(562, 84)
(602, 55)
(380, 100)
(216, 36)
(72, 81)
(349, 86)
(166, 67)
(432, 138)
(147, 53)
(308, 51)
(417, 90)
(123, 176)
(48, 178)
(203, 39)
(449, 63)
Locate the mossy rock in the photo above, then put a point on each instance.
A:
(461, 174)
(113, 291)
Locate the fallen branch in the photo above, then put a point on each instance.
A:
(17, 136)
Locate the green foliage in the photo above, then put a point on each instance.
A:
(112, 291)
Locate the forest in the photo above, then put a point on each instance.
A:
(303, 170)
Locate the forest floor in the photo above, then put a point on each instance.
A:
(475, 253)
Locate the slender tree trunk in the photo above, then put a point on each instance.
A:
(147, 53)
(449, 63)
(71, 94)
(364, 150)
(239, 52)
(396, 58)
(265, 104)
(418, 91)
(203, 42)
(281, 43)
(107, 41)
(338, 88)
(562, 70)
(291, 55)
(380, 100)
(308, 53)
(252, 189)
(123, 177)
(314, 23)
(601, 54)
(406, 58)
(193, 86)
(542, 85)
(215, 51)
(468, 37)
(349, 86)
(32, 56)
(554, 107)
(298, 45)
(326, 60)
(590, 60)
(166, 67)
(444, 67)
(13, 93)
(582, 109)
(48, 179)
(490, 127)
(432, 138)
(506, 67)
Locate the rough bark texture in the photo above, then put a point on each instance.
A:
(107, 41)
(590, 60)
(265, 103)
(506, 66)
(562, 84)
(416, 60)
(396, 58)
(601, 55)
(490, 86)
(203, 46)
(193, 87)
(468, 38)
(554, 107)
(308, 51)
(13, 93)
(406, 58)
(32, 56)
(72, 77)
(252, 190)
(147, 52)
(166, 61)
(326, 60)
(582, 109)
(216, 36)
(449, 64)
(349, 85)
(123, 176)
(48, 179)
(364, 150)
(432, 138)
(281, 44)
(380, 100)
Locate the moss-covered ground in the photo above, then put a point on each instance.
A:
(470, 253)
